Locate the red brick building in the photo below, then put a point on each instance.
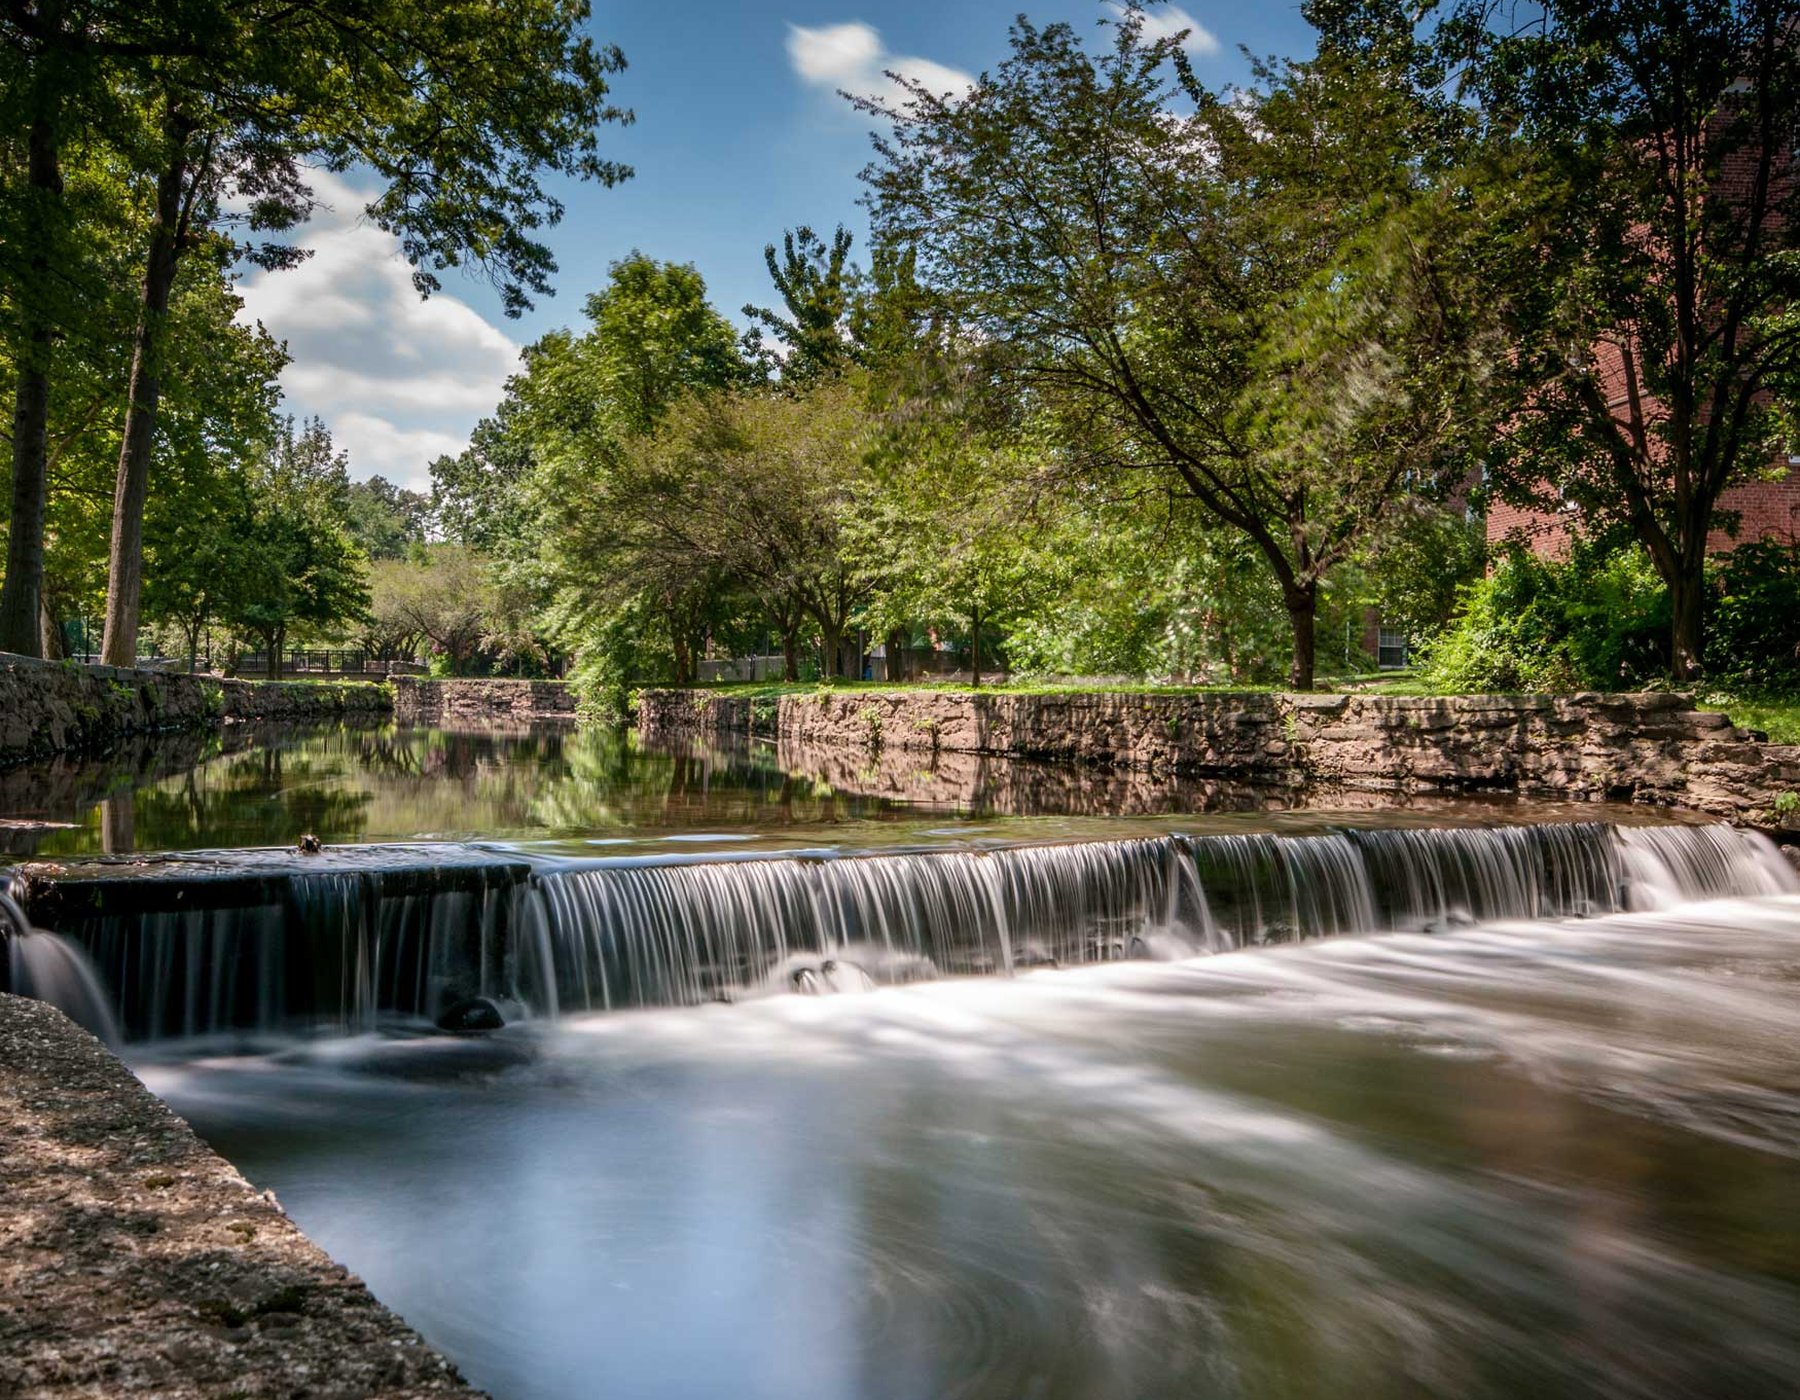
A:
(1766, 510)
(1757, 510)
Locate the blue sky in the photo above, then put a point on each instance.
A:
(739, 134)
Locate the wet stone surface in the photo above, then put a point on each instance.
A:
(134, 1261)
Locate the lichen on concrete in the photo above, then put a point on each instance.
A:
(134, 1261)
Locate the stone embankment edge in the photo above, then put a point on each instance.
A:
(486, 701)
(1652, 748)
(51, 707)
(136, 1261)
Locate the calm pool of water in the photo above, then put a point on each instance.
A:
(262, 786)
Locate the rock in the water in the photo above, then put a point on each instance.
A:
(471, 1014)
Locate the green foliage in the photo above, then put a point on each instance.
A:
(142, 140)
(1264, 300)
(1753, 627)
(1593, 622)
(817, 287)
(615, 652)
(299, 568)
(386, 520)
(1648, 260)
(443, 597)
(1417, 576)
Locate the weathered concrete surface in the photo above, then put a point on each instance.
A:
(1653, 748)
(135, 1262)
(51, 707)
(478, 701)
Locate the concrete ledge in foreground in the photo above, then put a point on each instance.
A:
(134, 1261)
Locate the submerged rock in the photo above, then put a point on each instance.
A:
(472, 1014)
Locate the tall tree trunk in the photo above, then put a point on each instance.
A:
(832, 643)
(125, 569)
(1303, 614)
(49, 631)
(22, 594)
(975, 649)
(790, 653)
(1687, 597)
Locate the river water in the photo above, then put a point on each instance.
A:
(1522, 1159)
(268, 785)
(840, 1077)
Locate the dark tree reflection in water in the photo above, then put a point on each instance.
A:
(268, 785)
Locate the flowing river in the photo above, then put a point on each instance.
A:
(1542, 1141)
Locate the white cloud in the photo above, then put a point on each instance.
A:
(398, 380)
(851, 58)
(1166, 21)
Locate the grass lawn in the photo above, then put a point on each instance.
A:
(768, 690)
(1778, 716)
(1375, 683)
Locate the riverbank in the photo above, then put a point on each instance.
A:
(136, 1261)
(1650, 748)
(52, 707)
(483, 700)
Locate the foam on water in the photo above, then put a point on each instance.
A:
(1527, 1157)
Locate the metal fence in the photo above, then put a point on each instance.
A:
(904, 664)
(328, 662)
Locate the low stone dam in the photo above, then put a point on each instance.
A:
(1264, 1106)
(272, 942)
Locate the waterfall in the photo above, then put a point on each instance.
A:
(52, 969)
(405, 934)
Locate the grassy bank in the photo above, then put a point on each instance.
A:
(769, 690)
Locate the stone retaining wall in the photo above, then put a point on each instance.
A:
(479, 701)
(134, 1261)
(50, 707)
(1652, 748)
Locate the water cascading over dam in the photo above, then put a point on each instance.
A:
(267, 942)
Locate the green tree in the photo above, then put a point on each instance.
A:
(218, 417)
(302, 571)
(386, 520)
(1652, 307)
(478, 497)
(653, 338)
(459, 108)
(818, 288)
(754, 490)
(948, 531)
(444, 595)
(1267, 299)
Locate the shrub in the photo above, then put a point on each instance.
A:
(1753, 622)
(1597, 620)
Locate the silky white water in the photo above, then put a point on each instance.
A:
(1523, 1157)
(386, 936)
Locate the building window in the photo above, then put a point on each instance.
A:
(1391, 650)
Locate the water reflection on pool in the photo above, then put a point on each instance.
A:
(267, 786)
